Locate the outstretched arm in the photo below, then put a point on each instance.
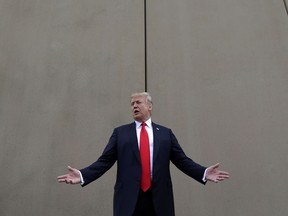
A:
(73, 177)
(215, 175)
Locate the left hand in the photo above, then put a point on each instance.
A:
(215, 175)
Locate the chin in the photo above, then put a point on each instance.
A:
(139, 119)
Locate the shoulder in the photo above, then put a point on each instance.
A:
(158, 127)
(125, 127)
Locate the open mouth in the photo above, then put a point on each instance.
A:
(136, 112)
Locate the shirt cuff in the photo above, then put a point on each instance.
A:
(204, 176)
(81, 178)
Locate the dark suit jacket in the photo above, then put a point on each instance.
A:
(123, 148)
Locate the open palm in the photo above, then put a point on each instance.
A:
(215, 175)
(73, 177)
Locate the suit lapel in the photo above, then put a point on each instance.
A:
(156, 146)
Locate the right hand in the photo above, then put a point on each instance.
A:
(73, 177)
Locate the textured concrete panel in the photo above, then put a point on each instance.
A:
(218, 73)
(67, 69)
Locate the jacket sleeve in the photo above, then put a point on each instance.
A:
(184, 163)
(104, 162)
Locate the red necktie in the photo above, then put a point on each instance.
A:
(145, 159)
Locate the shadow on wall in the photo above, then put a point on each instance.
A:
(286, 6)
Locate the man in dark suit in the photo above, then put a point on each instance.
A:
(143, 151)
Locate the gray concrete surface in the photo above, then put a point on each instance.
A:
(217, 71)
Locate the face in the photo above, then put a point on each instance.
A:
(141, 109)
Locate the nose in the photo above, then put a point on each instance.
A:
(134, 105)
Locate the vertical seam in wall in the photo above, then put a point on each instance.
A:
(286, 6)
(145, 45)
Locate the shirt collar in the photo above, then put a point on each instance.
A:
(148, 123)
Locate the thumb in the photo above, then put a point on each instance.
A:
(215, 166)
(70, 168)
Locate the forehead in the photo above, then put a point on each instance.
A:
(138, 98)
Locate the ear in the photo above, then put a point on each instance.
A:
(150, 107)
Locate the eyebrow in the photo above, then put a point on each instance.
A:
(136, 101)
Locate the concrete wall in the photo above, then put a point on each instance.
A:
(67, 70)
(217, 71)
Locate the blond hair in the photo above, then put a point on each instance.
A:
(145, 94)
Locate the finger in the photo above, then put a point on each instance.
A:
(62, 177)
(225, 174)
(68, 181)
(222, 176)
(61, 180)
